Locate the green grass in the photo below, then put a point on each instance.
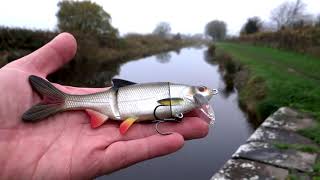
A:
(292, 177)
(315, 175)
(299, 147)
(291, 79)
(316, 168)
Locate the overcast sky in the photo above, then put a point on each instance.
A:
(143, 15)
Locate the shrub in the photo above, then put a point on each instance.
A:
(18, 38)
(303, 40)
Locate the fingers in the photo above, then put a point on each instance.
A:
(189, 128)
(125, 153)
(51, 56)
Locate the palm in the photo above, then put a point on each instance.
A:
(64, 146)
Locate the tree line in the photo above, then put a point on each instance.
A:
(288, 15)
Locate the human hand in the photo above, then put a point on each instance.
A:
(64, 146)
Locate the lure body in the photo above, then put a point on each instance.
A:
(124, 101)
(138, 100)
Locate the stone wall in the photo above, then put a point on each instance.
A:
(275, 150)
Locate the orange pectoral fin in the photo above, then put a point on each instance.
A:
(125, 125)
(96, 118)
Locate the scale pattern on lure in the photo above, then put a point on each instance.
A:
(126, 101)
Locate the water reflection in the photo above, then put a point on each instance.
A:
(227, 78)
(177, 51)
(87, 73)
(164, 57)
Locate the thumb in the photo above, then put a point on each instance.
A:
(51, 56)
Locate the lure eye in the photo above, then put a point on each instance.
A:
(202, 88)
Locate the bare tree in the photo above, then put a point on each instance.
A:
(163, 29)
(268, 26)
(216, 29)
(253, 25)
(289, 13)
(317, 21)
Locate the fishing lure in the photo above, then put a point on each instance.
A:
(125, 101)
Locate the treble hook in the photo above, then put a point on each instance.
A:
(158, 120)
(166, 120)
(158, 131)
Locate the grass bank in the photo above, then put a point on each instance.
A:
(277, 78)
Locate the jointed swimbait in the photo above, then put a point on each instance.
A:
(125, 101)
